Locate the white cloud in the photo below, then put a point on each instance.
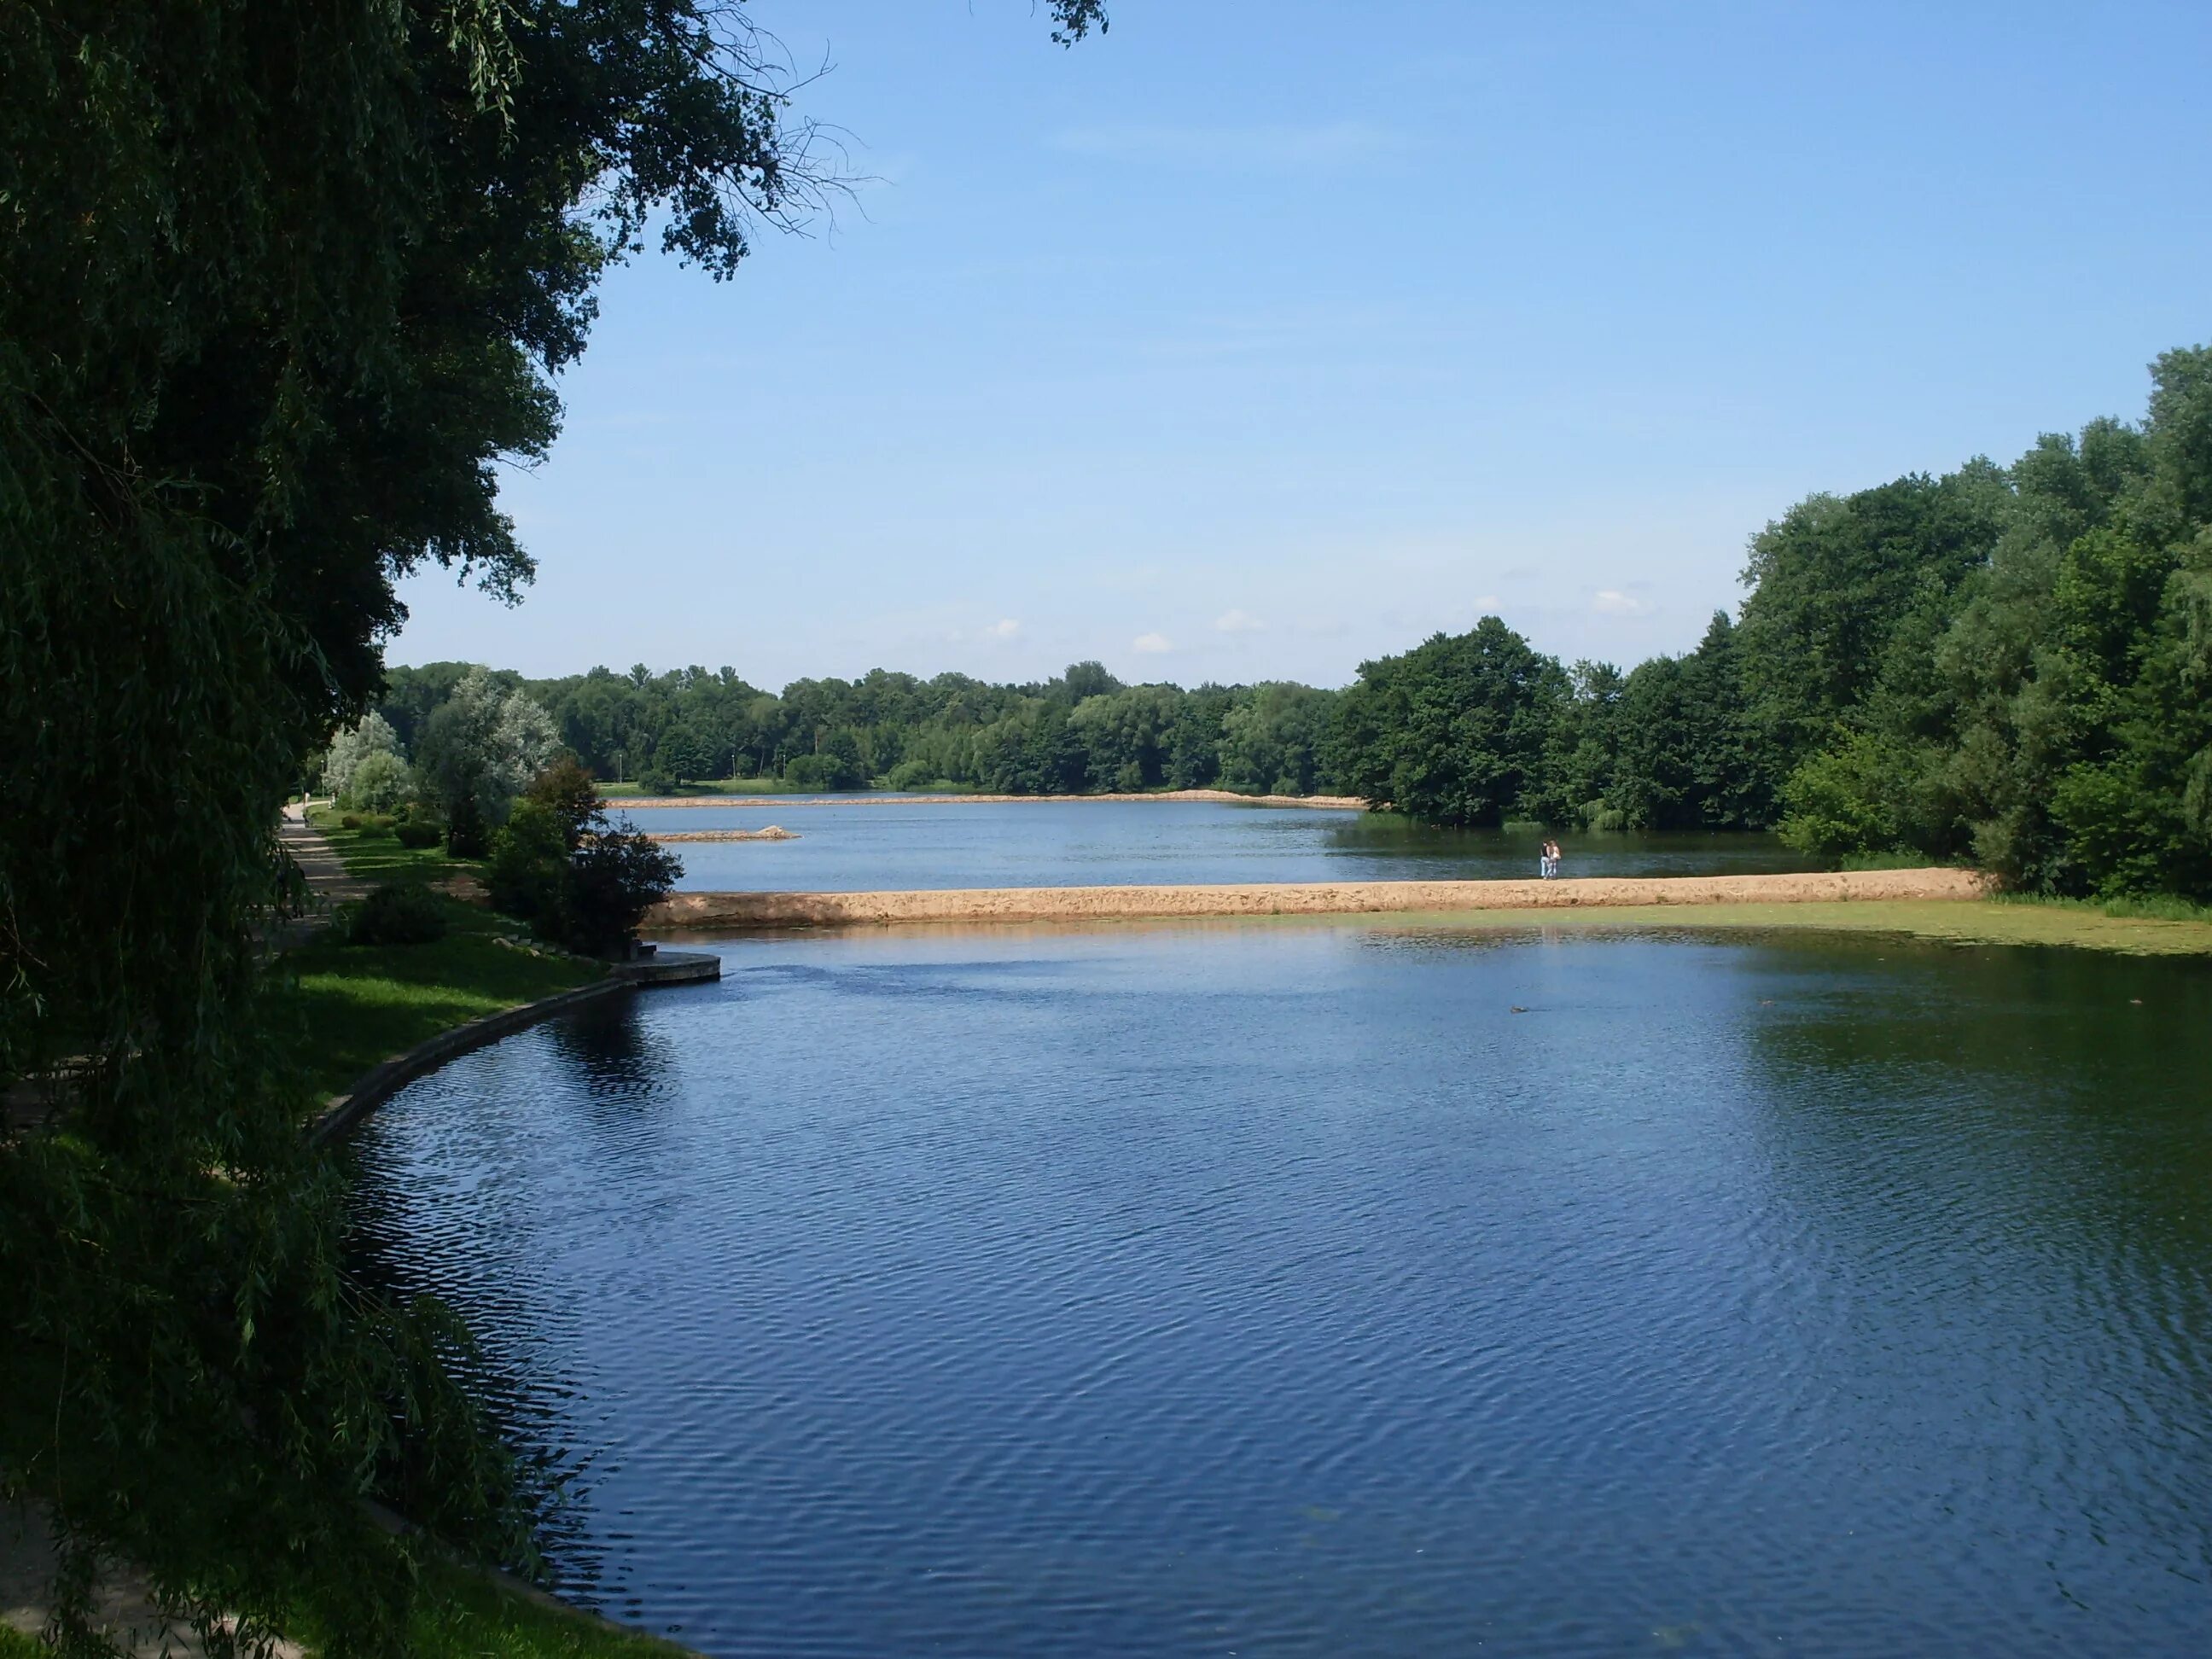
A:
(1238, 622)
(1150, 645)
(1004, 629)
(1488, 605)
(1612, 602)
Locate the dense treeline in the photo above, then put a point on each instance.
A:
(2005, 665)
(1084, 731)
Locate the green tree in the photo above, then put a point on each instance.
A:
(1272, 740)
(686, 751)
(353, 745)
(1689, 753)
(1833, 579)
(280, 284)
(380, 783)
(1453, 731)
(480, 751)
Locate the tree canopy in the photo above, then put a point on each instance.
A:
(2007, 665)
(281, 284)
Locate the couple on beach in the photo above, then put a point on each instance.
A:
(1547, 861)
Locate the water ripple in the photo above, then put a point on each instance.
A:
(1283, 1293)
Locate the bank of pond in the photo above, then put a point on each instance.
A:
(1329, 1286)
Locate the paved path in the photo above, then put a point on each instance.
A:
(123, 1603)
(318, 860)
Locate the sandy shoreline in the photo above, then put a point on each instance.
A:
(696, 911)
(773, 832)
(1325, 803)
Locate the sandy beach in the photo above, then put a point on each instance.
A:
(692, 911)
(1327, 803)
(772, 832)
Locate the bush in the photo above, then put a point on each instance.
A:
(528, 876)
(614, 879)
(823, 772)
(1837, 802)
(1902, 858)
(395, 913)
(467, 836)
(416, 833)
(349, 821)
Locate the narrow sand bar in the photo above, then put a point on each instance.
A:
(1226, 797)
(696, 911)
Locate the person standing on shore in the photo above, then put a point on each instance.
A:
(1551, 857)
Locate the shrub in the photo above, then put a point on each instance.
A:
(823, 772)
(1838, 802)
(416, 833)
(395, 913)
(529, 866)
(614, 879)
(349, 821)
(1902, 858)
(467, 836)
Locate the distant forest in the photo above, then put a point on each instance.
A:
(2002, 665)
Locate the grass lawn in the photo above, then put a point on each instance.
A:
(356, 1005)
(463, 1615)
(360, 1004)
(375, 856)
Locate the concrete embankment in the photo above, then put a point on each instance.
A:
(699, 911)
(381, 1081)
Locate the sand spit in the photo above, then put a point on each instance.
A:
(694, 911)
(772, 832)
(1327, 803)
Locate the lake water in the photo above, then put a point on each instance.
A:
(853, 846)
(1319, 1289)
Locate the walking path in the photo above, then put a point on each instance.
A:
(318, 861)
(123, 1608)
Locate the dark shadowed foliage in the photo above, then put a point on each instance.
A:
(279, 284)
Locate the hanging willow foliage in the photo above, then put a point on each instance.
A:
(280, 281)
(187, 1378)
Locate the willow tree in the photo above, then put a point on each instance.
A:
(280, 282)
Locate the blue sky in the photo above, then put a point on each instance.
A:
(1253, 340)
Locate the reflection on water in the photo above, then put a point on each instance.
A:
(1332, 1290)
(850, 847)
